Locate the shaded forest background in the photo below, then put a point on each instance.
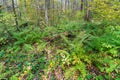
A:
(51, 12)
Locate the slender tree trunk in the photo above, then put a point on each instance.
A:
(82, 5)
(68, 4)
(47, 6)
(25, 4)
(25, 7)
(87, 11)
(37, 12)
(0, 9)
(73, 8)
(53, 7)
(61, 5)
(15, 15)
(65, 5)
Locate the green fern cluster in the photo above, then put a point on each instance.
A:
(99, 49)
(88, 50)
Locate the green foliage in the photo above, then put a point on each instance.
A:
(105, 9)
(79, 48)
(70, 48)
(7, 18)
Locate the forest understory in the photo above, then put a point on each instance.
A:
(82, 50)
(59, 39)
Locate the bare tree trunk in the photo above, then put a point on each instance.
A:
(81, 7)
(61, 5)
(15, 15)
(47, 6)
(53, 7)
(87, 11)
(59, 10)
(25, 7)
(25, 4)
(37, 12)
(68, 4)
(65, 5)
(73, 8)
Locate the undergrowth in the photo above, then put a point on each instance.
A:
(71, 50)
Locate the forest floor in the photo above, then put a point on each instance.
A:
(68, 51)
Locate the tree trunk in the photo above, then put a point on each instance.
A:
(47, 6)
(15, 15)
(82, 6)
(87, 11)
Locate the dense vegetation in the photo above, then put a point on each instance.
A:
(71, 46)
